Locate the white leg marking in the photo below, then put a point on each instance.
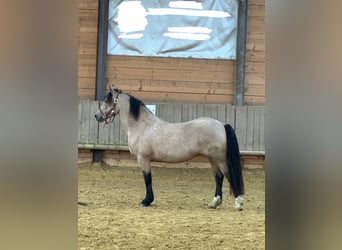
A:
(215, 202)
(238, 203)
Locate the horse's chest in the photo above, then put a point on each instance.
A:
(133, 143)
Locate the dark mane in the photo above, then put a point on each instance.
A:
(109, 97)
(134, 107)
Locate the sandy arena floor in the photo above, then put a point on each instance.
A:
(177, 219)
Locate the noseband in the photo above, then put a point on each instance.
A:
(110, 115)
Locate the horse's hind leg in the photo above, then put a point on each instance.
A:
(219, 181)
(145, 166)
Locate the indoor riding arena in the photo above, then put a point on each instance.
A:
(179, 217)
(210, 63)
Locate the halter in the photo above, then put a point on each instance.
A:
(110, 115)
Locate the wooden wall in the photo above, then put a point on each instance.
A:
(87, 38)
(255, 57)
(247, 121)
(156, 79)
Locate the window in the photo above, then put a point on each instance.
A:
(198, 29)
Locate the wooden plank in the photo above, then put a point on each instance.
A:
(200, 110)
(86, 94)
(256, 24)
(241, 125)
(124, 158)
(256, 2)
(87, 37)
(256, 44)
(181, 97)
(255, 56)
(175, 86)
(164, 96)
(255, 100)
(253, 162)
(255, 89)
(79, 119)
(86, 59)
(93, 124)
(250, 127)
(256, 36)
(84, 155)
(262, 128)
(165, 112)
(192, 111)
(177, 112)
(256, 10)
(87, 17)
(230, 115)
(86, 25)
(255, 78)
(116, 132)
(86, 82)
(156, 63)
(169, 112)
(221, 113)
(86, 49)
(256, 122)
(87, 29)
(210, 110)
(87, 4)
(123, 137)
(160, 74)
(85, 121)
(185, 112)
(86, 71)
(158, 109)
(255, 67)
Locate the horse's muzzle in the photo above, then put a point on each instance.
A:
(99, 118)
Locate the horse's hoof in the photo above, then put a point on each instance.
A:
(215, 202)
(145, 203)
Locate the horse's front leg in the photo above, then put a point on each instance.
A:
(145, 166)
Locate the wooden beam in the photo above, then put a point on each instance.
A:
(102, 36)
(101, 53)
(240, 53)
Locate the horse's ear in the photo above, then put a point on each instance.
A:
(115, 89)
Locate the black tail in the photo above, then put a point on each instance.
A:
(233, 161)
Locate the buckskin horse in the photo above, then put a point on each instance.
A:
(152, 139)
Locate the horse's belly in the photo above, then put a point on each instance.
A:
(174, 156)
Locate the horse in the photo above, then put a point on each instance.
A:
(153, 139)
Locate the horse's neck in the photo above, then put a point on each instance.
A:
(146, 118)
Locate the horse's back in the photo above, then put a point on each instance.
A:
(175, 142)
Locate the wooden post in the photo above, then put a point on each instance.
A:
(102, 36)
(241, 38)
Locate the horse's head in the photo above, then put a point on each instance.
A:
(109, 109)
